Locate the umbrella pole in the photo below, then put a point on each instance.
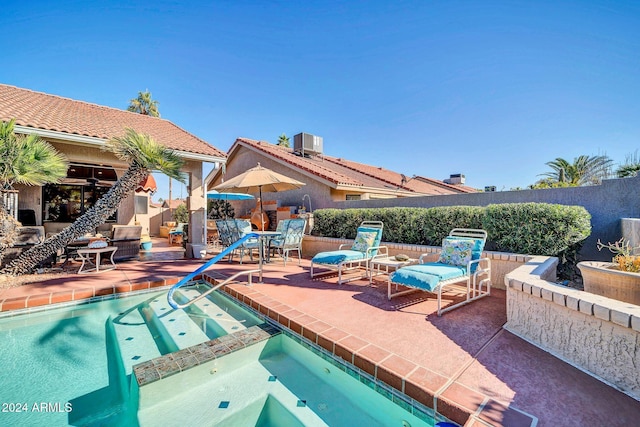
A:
(261, 210)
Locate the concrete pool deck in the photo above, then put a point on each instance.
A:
(464, 359)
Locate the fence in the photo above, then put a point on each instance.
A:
(607, 203)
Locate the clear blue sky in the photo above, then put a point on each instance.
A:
(490, 89)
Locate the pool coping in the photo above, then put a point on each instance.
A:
(445, 396)
(45, 298)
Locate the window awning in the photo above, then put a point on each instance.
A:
(148, 185)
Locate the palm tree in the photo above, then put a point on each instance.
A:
(283, 141)
(143, 104)
(27, 160)
(143, 155)
(631, 166)
(584, 170)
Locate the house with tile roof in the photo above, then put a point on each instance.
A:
(328, 179)
(79, 130)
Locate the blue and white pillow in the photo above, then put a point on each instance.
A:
(456, 252)
(364, 240)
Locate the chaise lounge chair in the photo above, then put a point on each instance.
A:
(176, 233)
(365, 247)
(459, 261)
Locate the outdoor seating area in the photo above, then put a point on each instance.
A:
(285, 239)
(458, 359)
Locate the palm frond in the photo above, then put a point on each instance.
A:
(144, 152)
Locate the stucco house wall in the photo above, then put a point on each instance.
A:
(244, 159)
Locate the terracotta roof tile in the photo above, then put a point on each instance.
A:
(174, 203)
(345, 172)
(314, 165)
(54, 113)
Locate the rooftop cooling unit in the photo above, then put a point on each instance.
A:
(305, 143)
(455, 179)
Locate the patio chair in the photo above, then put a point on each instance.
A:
(176, 232)
(243, 227)
(127, 239)
(225, 233)
(231, 230)
(280, 228)
(365, 247)
(292, 232)
(460, 261)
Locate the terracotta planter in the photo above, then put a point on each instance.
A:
(603, 278)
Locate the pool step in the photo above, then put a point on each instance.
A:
(152, 328)
(178, 326)
(134, 339)
(224, 323)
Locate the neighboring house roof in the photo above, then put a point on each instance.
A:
(41, 111)
(174, 203)
(338, 172)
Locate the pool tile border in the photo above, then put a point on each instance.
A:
(397, 375)
(170, 364)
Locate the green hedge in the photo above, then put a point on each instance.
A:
(525, 228)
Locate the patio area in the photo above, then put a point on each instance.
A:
(463, 363)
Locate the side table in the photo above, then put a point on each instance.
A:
(85, 255)
(385, 265)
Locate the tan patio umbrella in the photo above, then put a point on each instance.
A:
(259, 179)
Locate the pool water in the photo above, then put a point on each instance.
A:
(59, 356)
(72, 365)
(277, 382)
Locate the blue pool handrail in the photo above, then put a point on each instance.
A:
(186, 279)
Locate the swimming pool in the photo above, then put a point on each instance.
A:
(72, 365)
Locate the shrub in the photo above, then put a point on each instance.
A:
(525, 228)
(181, 214)
(536, 228)
(418, 226)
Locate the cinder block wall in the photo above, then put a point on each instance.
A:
(607, 203)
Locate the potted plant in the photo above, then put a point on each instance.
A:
(145, 242)
(619, 279)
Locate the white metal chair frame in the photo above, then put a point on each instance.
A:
(291, 239)
(474, 281)
(349, 265)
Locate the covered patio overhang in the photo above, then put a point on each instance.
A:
(86, 152)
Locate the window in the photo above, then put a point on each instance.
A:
(142, 207)
(65, 203)
(353, 197)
